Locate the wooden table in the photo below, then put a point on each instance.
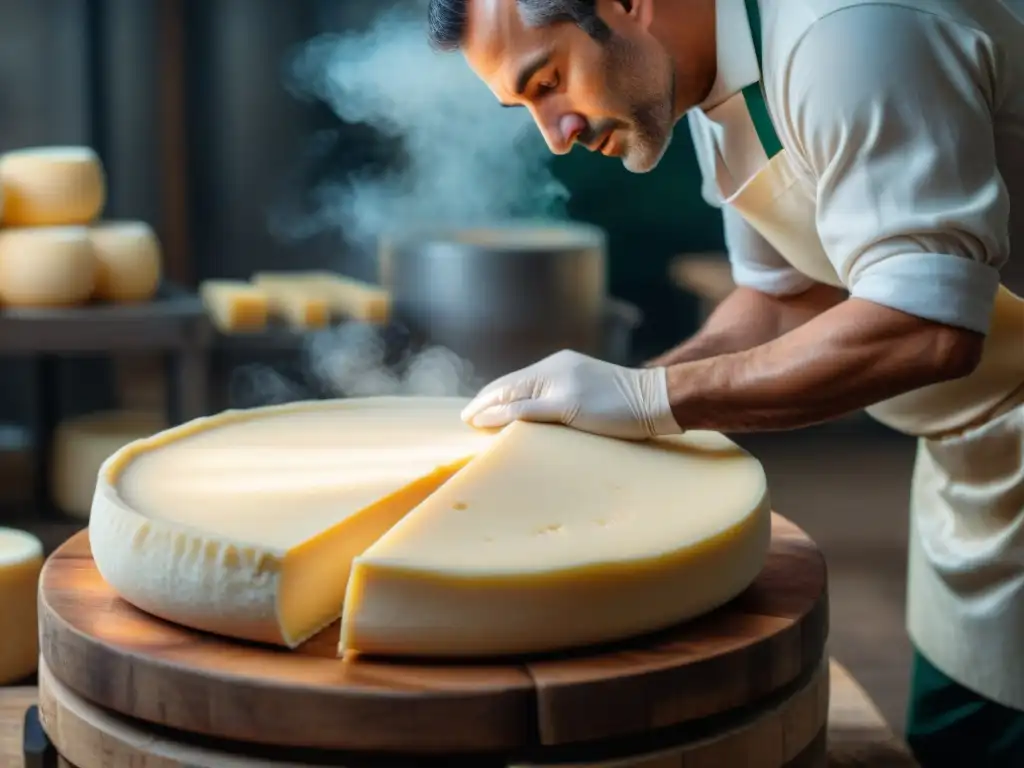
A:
(858, 736)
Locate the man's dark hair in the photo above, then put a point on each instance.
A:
(447, 18)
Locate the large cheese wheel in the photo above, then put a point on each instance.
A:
(82, 444)
(21, 559)
(537, 538)
(51, 186)
(46, 266)
(127, 261)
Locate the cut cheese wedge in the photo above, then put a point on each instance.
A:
(246, 524)
(21, 559)
(432, 539)
(298, 303)
(554, 538)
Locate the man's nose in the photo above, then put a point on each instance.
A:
(561, 133)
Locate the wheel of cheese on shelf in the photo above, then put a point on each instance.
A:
(128, 261)
(431, 538)
(82, 444)
(46, 266)
(51, 186)
(21, 559)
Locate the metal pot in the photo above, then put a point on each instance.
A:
(501, 297)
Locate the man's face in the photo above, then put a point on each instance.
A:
(616, 97)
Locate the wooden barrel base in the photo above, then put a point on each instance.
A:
(789, 734)
(700, 676)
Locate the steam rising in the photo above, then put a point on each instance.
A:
(356, 360)
(464, 161)
(468, 161)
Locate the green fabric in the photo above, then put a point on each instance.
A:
(753, 94)
(949, 726)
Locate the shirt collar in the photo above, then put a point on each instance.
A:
(737, 61)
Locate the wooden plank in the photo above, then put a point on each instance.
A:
(13, 703)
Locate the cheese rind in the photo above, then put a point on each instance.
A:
(51, 186)
(82, 444)
(554, 538)
(21, 560)
(46, 266)
(245, 524)
(127, 261)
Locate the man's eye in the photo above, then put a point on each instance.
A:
(547, 86)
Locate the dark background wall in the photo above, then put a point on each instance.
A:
(97, 72)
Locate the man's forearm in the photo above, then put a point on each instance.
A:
(747, 318)
(850, 357)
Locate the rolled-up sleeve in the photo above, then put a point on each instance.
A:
(753, 261)
(890, 111)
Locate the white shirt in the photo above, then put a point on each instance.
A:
(905, 120)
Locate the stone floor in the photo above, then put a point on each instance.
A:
(848, 487)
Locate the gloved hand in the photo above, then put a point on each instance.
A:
(581, 392)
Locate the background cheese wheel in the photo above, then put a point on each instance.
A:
(46, 266)
(127, 261)
(51, 186)
(21, 559)
(82, 444)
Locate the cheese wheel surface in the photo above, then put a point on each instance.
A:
(82, 444)
(21, 560)
(51, 186)
(128, 261)
(46, 266)
(249, 524)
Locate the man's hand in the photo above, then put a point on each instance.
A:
(581, 392)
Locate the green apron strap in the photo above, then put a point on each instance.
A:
(753, 94)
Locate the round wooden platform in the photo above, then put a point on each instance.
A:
(790, 735)
(703, 677)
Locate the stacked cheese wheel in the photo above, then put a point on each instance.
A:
(428, 537)
(53, 250)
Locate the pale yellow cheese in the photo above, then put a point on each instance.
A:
(345, 296)
(554, 538)
(298, 303)
(234, 306)
(246, 524)
(460, 542)
(51, 186)
(82, 444)
(46, 266)
(128, 261)
(21, 559)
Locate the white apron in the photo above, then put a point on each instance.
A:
(966, 570)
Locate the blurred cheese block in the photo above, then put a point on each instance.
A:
(345, 297)
(299, 303)
(21, 559)
(82, 444)
(458, 542)
(234, 306)
(46, 266)
(51, 186)
(127, 261)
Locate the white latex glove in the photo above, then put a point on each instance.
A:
(581, 392)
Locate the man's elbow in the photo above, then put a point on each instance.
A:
(956, 352)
